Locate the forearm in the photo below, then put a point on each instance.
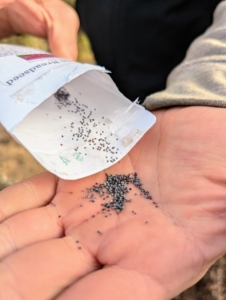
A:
(201, 78)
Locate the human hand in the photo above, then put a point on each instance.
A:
(51, 19)
(181, 161)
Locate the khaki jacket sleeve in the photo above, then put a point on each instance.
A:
(201, 78)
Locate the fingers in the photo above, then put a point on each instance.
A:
(34, 192)
(60, 25)
(29, 227)
(5, 2)
(52, 19)
(62, 33)
(41, 271)
(114, 283)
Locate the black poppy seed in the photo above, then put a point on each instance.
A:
(79, 247)
(115, 187)
(98, 231)
(59, 216)
(77, 241)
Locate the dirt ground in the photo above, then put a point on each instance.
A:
(17, 164)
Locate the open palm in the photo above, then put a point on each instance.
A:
(55, 244)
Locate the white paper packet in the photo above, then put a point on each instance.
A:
(70, 116)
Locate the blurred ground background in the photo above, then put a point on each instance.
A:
(17, 164)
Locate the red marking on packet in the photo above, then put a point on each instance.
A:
(36, 56)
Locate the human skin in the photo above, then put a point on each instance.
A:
(181, 161)
(51, 19)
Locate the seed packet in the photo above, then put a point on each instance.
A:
(70, 116)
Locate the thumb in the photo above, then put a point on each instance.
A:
(62, 30)
(5, 2)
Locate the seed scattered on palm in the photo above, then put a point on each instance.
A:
(115, 188)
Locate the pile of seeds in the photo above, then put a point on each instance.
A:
(62, 98)
(115, 188)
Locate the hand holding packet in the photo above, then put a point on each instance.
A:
(70, 116)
